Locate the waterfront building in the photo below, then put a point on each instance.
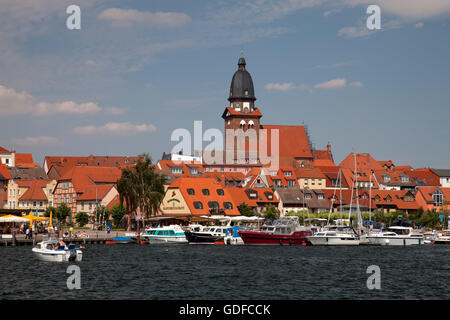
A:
(298, 200)
(433, 198)
(85, 179)
(196, 196)
(13, 159)
(30, 194)
(257, 198)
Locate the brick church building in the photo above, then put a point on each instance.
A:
(293, 145)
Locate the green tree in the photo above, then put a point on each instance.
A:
(48, 210)
(140, 187)
(270, 212)
(62, 212)
(245, 210)
(82, 218)
(117, 212)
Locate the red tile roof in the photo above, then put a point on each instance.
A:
(85, 176)
(233, 112)
(241, 195)
(363, 161)
(95, 192)
(312, 173)
(35, 190)
(4, 172)
(293, 143)
(24, 158)
(198, 184)
(3, 150)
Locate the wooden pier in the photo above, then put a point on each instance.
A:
(92, 239)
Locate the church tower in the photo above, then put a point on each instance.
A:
(242, 113)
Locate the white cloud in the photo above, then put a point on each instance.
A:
(17, 103)
(126, 17)
(279, 86)
(335, 83)
(355, 32)
(419, 25)
(117, 128)
(35, 141)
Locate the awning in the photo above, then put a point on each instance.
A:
(11, 218)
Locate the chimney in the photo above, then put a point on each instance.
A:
(329, 147)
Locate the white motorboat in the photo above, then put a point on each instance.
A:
(232, 236)
(167, 234)
(51, 250)
(335, 236)
(442, 238)
(396, 236)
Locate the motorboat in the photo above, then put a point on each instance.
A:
(167, 234)
(206, 235)
(120, 240)
(335, 236)
(52, 250)
(286, 230)
(396, 236)
(443, 238)
(232, 236)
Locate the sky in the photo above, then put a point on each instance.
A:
(138, 70)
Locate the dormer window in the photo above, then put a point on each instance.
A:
(194, 171)
(437, 198)
(205, 192)
(387, 178)
(176, 170)
(404, 178)
(308, 196)
(191, 191)
(253, 195)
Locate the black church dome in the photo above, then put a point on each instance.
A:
(242, 83)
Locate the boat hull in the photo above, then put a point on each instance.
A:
(233, 241)
(58, 255)
(333, 241)
(168, 239)
(395, 241)
(263, 238)
(202, 238)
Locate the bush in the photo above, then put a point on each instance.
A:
(117, 212)
(271, 212)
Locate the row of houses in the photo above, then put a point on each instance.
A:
(84, 183)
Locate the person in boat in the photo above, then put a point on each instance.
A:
(61, 243)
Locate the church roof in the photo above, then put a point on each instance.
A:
(242, 83)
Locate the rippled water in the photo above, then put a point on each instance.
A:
(230, 272)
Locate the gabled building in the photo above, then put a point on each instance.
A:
(297, 200)
(198, 196)
(180, 168)
(256, 198)
(30, 194)
(433, 198)
(84, 179)
(310, 178)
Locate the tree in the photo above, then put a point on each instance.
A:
(270, 212)
(48, 210)
(82, 218)
(117, 212)
(62, 212)
(245, 210)
(141, 188)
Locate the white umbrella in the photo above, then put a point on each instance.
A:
(13, 219)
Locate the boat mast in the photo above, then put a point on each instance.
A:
(358, 212)
(340, 191)
(370, 201)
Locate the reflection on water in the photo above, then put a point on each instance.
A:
(230, 272)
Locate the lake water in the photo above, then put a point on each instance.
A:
(230, 272)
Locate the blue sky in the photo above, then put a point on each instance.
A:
(137, 70)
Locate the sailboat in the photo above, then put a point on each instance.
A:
(338, 235)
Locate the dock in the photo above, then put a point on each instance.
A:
(94, 238)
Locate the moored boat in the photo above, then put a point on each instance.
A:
(166, 234)
(335, 236)
(283, 231)
(232, 236)
(206, 235)
(443, 238)
(396, 236)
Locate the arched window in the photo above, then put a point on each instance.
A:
(251, 124)
(228, 205)
(242, 124)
